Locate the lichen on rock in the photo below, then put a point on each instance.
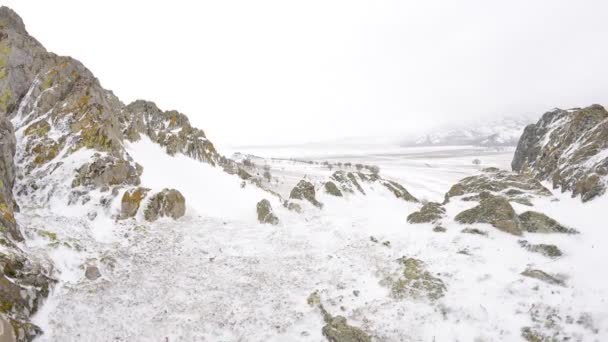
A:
(265, 213)
(535, 222)
(412, 280)
(131, 201)
(493, 210)
(332, 189)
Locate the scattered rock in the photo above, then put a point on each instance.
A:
(474, 231)
(373, 239)
(337, 329)
(413, 281)
(265, 213)
(168, 202)
(332, 189)
(305, 190)
(92, 273)
(550, 251)
(430, 212)
(493, 210)
(292, 206)
(535, 222)
(543, 276)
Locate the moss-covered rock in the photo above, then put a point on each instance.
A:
(265, 213)
(305, 190)
(413, 281)
(131, 201)
(493, 210)
(107, 171)
(169, 203)
(39, 128)
(332, 189)
(429, 213)
(535, 222)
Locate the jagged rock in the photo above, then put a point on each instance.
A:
(550, 251)
(414, 281)
(169, 129)
(168, 202)
(494, 210)
(569, 148)
(107, 171)
(399, 191)
(92, 272)
(535, 222)
(543, 276)
(131, 201)
(429, 213)
(305, 190)
(348, 181)
(332, 189)
(265, 213)
(513, 186)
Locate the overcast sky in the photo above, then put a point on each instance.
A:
(256, 72)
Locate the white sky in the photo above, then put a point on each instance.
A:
(256, 72)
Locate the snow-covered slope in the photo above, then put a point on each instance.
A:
(492, 132)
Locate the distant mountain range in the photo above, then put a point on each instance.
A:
(504, 131)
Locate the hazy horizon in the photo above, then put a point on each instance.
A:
(282, 73)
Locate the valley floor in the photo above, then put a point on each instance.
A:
(209, 278)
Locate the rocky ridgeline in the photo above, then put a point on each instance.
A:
(568, 148)
(63, 139)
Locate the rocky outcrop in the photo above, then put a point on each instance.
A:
(543, 276)
(305, 190)
(351, 182)
(265, 213)
(568, 148)
(550, 251)
(429, 213)
(167, 203)
(107, 171)
(515, 187)
(170, 129)
(494, 210)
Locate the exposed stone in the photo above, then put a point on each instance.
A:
(568, 148)
(292, 206)
(265, 213)
(92, 273)
(493, 210)
(550, 251)
(131, 201)
(543, 276)
(413, 281)
(338, 330)
(439, 229)
(305, 190)
(429, 213)
(398, 190)
(515, 187)
(168, 202)
(474, 231)
(108, 171)
(332, 189)
(535, 222)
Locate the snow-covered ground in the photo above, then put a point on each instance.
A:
(218, 275)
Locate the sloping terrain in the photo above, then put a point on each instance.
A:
(123, 223)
